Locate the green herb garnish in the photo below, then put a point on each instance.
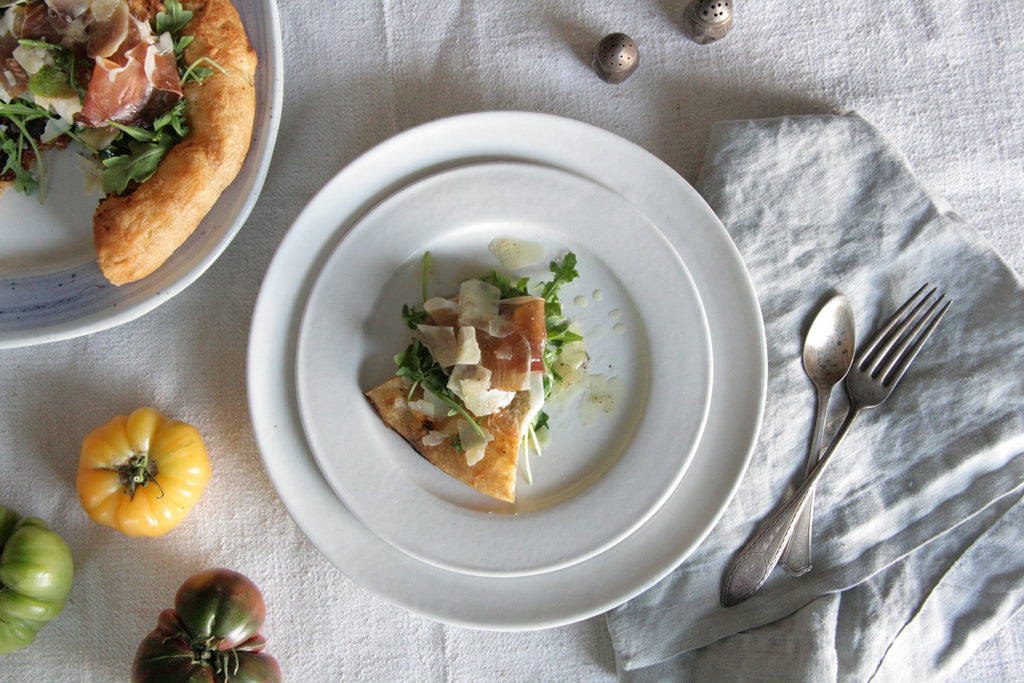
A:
(172, 19)
(413, 317)
(19, 115)
(417, 364)
(508, 288)
(135, 155)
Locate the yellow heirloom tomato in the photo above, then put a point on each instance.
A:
(141, 474)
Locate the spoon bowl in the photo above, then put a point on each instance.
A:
(829, 346)
(828, 354)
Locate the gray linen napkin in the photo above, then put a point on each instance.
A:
(917, 526)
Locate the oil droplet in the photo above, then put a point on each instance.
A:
(581, 301)
(618, 328)
(600, 397)
(598, 295)
(615, 314)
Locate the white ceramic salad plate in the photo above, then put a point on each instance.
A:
(50, 285)
(597, 583)
(620, 442)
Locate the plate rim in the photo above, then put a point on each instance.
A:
(498, 603)
(503, 531)
(138, 299)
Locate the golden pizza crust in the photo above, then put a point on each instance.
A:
(135, 233)
(494, 475)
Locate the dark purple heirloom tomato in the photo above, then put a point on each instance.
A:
(211, 635)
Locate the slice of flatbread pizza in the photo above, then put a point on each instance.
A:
(470, 388)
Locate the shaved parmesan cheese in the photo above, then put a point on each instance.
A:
(64, 107)
(450, 347)
(471, 383)
(473, 445)
(54, 129)
(441, 343)
(430, 405)
(478, 303)
(32, 57)
(469, 350)
(434, 438)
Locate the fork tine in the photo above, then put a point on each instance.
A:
(878, 346)
(912, 343)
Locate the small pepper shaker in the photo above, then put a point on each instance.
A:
(706, 21)
(616, 57)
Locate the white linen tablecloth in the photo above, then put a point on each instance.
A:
(942, 80)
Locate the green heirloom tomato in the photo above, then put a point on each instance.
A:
(35, 578)
(210, 636)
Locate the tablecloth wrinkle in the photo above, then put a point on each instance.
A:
(817, 204)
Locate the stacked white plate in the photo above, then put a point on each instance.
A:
(618, 499)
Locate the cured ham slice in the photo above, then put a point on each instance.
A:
(39, 22)
(13, 79)
(527, 316)
(511, 333)
(508, 358)
(132, 93)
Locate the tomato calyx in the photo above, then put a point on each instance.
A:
(205, 653)
(139, 470)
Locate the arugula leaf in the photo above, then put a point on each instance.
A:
(24, 180)
(564, 273)
(508, 289)
(136, 154)
(413, 316)
(138, 165)
(173, 19)
(417, 364)
(15, 139)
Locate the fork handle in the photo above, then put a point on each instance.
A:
(752, 566)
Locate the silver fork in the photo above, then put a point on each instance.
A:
(877, 369)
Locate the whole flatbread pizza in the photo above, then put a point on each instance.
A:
(159, 95)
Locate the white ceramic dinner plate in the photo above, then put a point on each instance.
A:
(619, 444)
(636, 562)
(50, 285)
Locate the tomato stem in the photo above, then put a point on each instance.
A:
(138, 471)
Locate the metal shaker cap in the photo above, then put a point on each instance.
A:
(706, 21)
(616, 57)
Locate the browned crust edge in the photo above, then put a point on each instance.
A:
(136, 233)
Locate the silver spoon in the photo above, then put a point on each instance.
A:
(828, 354)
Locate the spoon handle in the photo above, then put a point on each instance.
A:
(796, 558)
(752, 566)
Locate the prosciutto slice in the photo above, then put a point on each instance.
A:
(133, 88)
(42, 23)
(511, 333)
